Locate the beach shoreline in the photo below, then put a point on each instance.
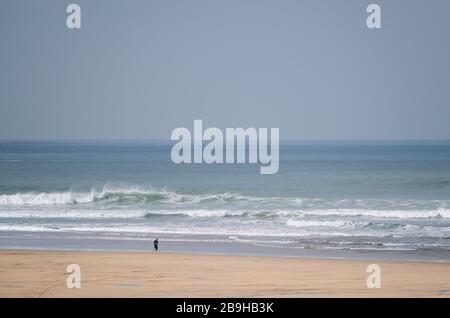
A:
(32, 273)
(62, 241)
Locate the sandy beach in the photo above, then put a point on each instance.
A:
(129, 274)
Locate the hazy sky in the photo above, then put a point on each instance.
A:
(138, 69)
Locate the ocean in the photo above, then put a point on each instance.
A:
(361, 196)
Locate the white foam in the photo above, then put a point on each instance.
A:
(112, 213)
(72, 214)
(36, 198)
(210, 213)
(303, 223)
(244, 231)
(399, 214)
(112, 194)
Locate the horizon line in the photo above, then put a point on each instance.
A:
(169, 140)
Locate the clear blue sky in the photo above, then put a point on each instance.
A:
(138, 69)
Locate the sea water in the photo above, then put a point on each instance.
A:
(326, 195)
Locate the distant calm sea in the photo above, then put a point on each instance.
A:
(341, 195)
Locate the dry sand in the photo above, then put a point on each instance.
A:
(126, 274)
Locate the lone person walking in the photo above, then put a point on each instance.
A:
(155, 244)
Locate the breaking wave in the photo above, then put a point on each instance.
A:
(132, 195)
(137, 202)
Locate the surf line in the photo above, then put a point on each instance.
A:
(236, 150)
